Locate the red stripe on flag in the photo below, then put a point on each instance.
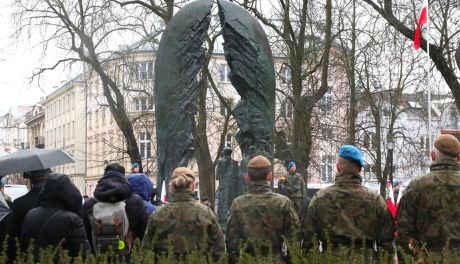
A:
(421, 21)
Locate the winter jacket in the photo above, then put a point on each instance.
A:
(114, 187)
(20, 207)
(56, 220)
(143, 187)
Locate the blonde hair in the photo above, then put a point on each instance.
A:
(182, 178)
(182, 182)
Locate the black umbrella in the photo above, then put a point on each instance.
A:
(33, 159)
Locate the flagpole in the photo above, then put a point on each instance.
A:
(430, 139)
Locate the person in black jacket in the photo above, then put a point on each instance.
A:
(56, 221)
(114, 187)
(22, 205)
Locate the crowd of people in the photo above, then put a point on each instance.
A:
(259, 221)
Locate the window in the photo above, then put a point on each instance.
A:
(90, 119)
(326, 101)
(326, 168)
(144, 104)
(289, 109)
(228, 140)
(144, 140)
(369, 170)
(386, 112)
(287, 74)
(327, 133)
(453, 115)
(371, 140)
(96, 118)
(377, 86)
(224, 73)
(223, 109)
(145, 71)
(424, 143)
(104, 117)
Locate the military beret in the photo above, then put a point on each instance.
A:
(291, 164)
(259, 162)
(351, 153)
(447, 144)
(182, 172)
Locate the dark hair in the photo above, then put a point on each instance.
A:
(115, 167)
(259, 174)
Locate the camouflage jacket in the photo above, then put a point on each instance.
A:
(429, 209)
(185, 225)
(347, 213)
(294, 186)
(260, 220)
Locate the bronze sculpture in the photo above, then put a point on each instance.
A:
(181, 57)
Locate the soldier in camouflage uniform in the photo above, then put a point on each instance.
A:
(429, 211)
(184, 224)
(260, 220)
(293, 186)
(347, 213)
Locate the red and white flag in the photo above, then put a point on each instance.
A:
(423, 19)
(391, 203)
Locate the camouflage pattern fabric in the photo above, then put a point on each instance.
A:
(293, 186)
(259, 221)
(429, 211)
(347, 213)
(185, 225)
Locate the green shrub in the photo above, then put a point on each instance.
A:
(141, 255)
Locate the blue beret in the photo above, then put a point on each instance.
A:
(396, 182)
(135, 165)
(291, 164)
(351, 153)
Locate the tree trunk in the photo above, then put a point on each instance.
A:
(202, 153)
(352, 113)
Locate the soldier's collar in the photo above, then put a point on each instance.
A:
(182, 195)
(258, 186)
(342, 177)
(446, 164)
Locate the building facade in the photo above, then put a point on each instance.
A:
(65, 127)
(13, 130)
(35, 122)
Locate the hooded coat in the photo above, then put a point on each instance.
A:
(114, 187)
(56, 219)
(143, 187)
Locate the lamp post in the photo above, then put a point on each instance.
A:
(390, 147)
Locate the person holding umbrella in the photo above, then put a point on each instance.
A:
(22, 205)
(35, 165)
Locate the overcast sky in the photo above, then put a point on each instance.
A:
(18, 59)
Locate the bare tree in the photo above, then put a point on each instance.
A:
(293, 35)
(444, 43)
(384, 77)
(86, 29)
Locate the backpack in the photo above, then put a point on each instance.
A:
(109, 227)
